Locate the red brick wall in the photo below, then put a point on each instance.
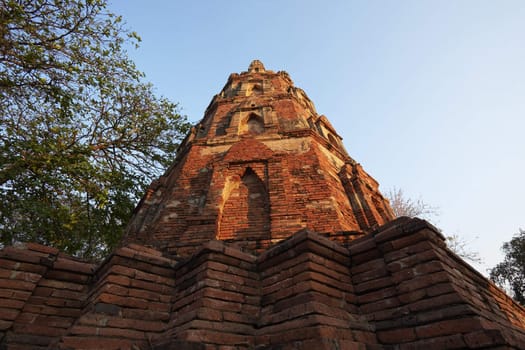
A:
(398, 287)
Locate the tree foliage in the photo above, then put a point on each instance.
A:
(81, 134)
(510, 273)
(460, 246)
(404, 206)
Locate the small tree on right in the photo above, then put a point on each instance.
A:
(510, 273)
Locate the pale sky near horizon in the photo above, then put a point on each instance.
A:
(429, 96)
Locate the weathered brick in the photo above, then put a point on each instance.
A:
(397, 336)
(215, 337)
(373, 285)
(78, 267)
(16, 284)
(150, 315)
(38, 329)
(484, 338)
(154, 287)
(448, 327)
(8, 314)
(446, 342)
(380, 305)
(61, 285)
(68, 276)
(95, 343)
(5, 325)
(34, 341)
(11, 303)
(113, 299)
(221, 305)
(122, 333)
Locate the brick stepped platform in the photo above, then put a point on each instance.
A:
(398, 287)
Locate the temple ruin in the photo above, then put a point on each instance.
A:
(263, 234)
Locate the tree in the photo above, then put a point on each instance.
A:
(460, 246)
(403, 206)
(81, 134)
(511, 271)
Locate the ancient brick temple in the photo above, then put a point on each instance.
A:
(263, 234)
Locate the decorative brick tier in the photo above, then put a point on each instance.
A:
(397, 288)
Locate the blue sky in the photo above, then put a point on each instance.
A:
(429, 96)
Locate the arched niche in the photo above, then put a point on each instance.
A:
(245, 213)
(255, 89)
(332, 140)
(253, 124)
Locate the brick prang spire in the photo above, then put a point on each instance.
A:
(261, 165)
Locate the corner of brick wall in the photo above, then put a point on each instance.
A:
(419, 294)
(128, 305)
(307, 297)
(216, 300)
(41, 293)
